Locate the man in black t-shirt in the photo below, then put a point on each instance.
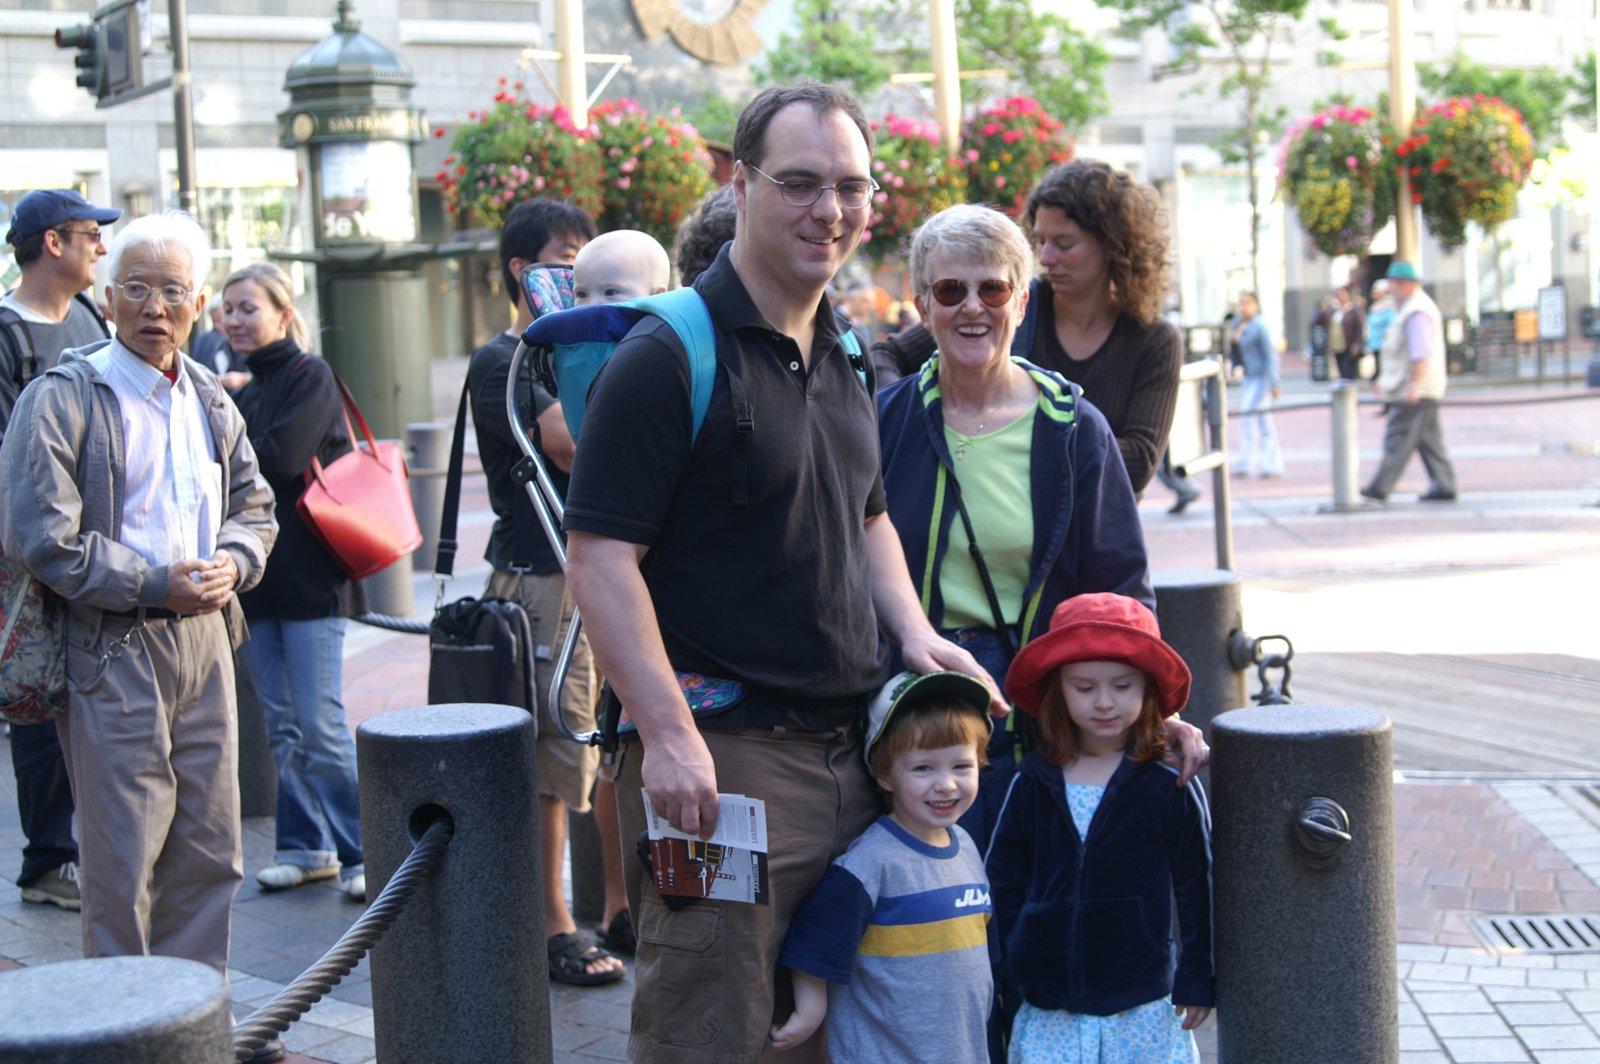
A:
(526, 570)
(755, 568)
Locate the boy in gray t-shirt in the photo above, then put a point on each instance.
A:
(894, 946)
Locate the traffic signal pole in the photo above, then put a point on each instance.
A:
(182, 103)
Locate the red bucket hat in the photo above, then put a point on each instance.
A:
(1099, 627)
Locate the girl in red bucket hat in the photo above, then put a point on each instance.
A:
(1093, 840)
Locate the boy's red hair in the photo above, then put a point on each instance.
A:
(932, 724)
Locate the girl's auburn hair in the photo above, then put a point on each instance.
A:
(1058, 743)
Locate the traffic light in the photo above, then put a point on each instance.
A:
(110, 56)
(90, 61)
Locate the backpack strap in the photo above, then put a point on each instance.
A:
(24, 361)
(690, 318)
(851, 339)
(444, 559)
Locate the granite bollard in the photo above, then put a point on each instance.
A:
(461, 977)
(588, 868)
(1199, 610)
(1304, 907)
(115, 1010)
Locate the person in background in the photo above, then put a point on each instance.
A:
(56, 237)
(293, 413)
(211, 350)
(1413, 383)
(1259, 454)
(1380, 317)
(1347, 333)
(703, 233)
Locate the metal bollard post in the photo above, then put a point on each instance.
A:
(1199, 612)
(1346, 449)
(588, 871)
(428, 463)
(461, 978)
(1304, 902)
(115, 1010)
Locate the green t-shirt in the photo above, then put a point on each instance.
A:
(993, 471)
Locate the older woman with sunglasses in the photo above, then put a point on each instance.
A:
(1006, 486)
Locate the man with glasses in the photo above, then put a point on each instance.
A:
(55, 238)
(131, 491)
(755, 566)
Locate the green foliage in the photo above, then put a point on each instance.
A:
(656, 168)
(516, 150)
(1334, 170)
(918, 177)
(830, 44)
(1467, 158)
(1583, 90)
(715, 116)
(1539, 94)
(1009, 145)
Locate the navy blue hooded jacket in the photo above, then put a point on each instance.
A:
(1086, 531)
(1085, 925)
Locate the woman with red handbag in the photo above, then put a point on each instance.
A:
(295, 655)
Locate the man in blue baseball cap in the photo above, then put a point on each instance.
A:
(1412, 381)
(56, 239)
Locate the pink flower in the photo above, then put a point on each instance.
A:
(991, 128)
(1350, 161)
(1011, 136)
(972, 155)
(624, 182)
(1000, 182)
(628, 165)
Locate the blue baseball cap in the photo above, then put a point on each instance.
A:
(53, 207)
(1401, 270)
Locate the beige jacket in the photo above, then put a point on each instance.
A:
(61, 467)
(1398, 356)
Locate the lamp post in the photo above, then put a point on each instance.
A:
(1402, 112)
(946, 69)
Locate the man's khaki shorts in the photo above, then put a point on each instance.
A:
(566, 770)
(707, 986)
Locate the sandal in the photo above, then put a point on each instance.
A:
(618, 936)
(570, 956)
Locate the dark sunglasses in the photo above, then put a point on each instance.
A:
(952, 293)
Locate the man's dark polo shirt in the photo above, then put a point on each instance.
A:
(778, 594)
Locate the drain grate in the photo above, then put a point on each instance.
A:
(1558, 933)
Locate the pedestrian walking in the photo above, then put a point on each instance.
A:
(1347, 333)
(56, 238)
(1084, 917)
(1259, 454)
(1380, 316)
(756, 567)
(1412, 384)
(293, 413)
(133, 493)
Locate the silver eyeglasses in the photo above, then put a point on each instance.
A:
(173, 295)
(853, 195)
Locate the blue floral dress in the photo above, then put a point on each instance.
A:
(1145, 1034)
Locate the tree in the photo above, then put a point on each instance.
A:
(1582, 82)
(1043, 55)
(828, 44)
(1540, 93)
(1245, 33)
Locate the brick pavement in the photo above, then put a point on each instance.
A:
(1463, 847)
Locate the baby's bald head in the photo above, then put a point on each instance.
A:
(623, 264)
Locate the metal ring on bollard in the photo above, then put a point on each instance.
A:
(1320, 828)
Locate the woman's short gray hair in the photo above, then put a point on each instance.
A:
(970, 233)
(169, 227)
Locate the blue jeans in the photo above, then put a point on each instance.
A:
(44, 800)
(298, 670)
(986, 645)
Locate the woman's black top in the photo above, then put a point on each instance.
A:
(292, 411)
(1132, 378)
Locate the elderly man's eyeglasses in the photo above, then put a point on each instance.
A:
(952, 293)
(173, 295)
(853, 195)
(93, 234)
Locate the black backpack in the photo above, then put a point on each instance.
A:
(480, 650)
(21, 361)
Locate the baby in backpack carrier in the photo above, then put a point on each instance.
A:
(623, 264)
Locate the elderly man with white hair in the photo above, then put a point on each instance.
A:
(131, 491)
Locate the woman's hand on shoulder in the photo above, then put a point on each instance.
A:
(1186, 749)
(1193, 1015)
(932, 652)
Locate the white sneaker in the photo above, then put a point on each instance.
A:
(354, 888)
(285, 876)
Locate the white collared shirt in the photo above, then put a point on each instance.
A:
(172, 481)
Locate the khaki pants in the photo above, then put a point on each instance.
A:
(565, 769)
(706, 986)
(151, 748)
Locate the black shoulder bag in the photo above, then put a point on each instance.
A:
(480, 649)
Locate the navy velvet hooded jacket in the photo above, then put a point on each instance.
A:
(1086, 531)
(1085, 926)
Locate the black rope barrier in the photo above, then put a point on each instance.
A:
(275, 1017)
(393, 624)
(1367, 400)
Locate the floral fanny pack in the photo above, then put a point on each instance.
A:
(706, 695)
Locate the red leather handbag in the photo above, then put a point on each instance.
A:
(359, 505)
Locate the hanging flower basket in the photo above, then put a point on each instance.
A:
(1467, 159)
(1333, 170)
(514, 151)
(917, 178)
(656, 168)
(1007, 148)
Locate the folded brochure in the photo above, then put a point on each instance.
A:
(729, 866)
